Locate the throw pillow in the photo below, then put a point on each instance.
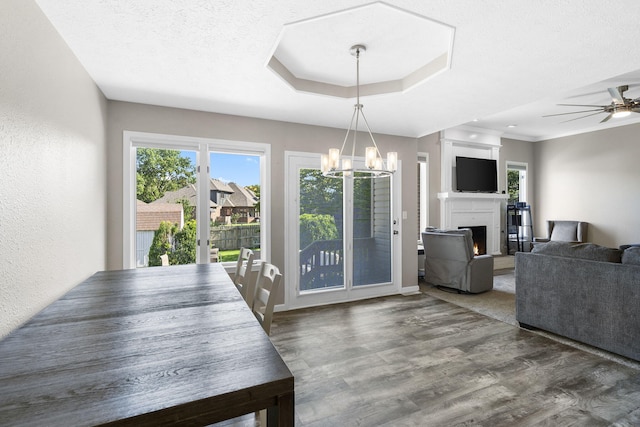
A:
(589, 251)
(631, 255)
(563, 232)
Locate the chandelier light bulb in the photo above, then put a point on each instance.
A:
(392, 161)
(334, 158)
(347, 166)
(370, 157)
(324, 163)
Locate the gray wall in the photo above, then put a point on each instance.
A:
(53, 169)
(282, 137)
(593, 177)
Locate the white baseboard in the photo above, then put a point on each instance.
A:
(410, 290)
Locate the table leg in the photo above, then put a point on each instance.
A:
(283, 414)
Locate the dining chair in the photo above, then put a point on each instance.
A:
(242, 277)
(266, 288)
(164, 260)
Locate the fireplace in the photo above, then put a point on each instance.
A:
(479, 233)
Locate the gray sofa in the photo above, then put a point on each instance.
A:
(584, 292)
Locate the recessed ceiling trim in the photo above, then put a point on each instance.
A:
(404, 50)
(425, 73)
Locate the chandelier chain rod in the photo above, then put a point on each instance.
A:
(358, 108)
(346, 137)
(364, 118)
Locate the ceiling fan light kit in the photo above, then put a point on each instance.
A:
(621, 111)
(341, 164)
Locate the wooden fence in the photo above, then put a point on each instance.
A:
(228, 237)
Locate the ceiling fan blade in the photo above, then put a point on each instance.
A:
(616, 95)
(582, 117)
(582, 105)
(606, 118)
(574, 112)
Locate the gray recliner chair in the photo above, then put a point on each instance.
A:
(565, 231)
(449, 262)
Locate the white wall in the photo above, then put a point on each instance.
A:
(280, 135)
(52, 166)
(593, 177)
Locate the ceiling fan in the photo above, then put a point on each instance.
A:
(619, 107)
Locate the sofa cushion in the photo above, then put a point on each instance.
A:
(623, 247)
(589, 251)
(631, 255)
(564, 232)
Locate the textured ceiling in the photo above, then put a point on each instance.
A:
(512, 61)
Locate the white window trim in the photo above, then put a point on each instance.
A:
(521, 166)
(202, 146)
(423, 159)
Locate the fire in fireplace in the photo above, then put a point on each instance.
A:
(479, 233)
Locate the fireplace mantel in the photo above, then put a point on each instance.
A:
(473, 209)
(460, 209)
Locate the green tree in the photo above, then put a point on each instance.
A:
(185, 244)
(255, 189)
(513, 185)
(188, 209)
(159, 171)
(161, 243)
(314, 227)
(319, 194)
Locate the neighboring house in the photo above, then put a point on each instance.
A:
(148, 219)
(242, 202)
(227, 201)
(187, 193)
(219, 193)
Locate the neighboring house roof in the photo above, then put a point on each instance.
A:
(150, 215)
(227, 203)
(188, 193)
(241, 197)
(217, 185)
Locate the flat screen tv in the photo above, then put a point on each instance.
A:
(476, 175)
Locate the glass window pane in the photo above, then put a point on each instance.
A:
(165, 207)
(235, 204)
(372, 231)
(321, 242)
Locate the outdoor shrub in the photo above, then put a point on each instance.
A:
(315, 227)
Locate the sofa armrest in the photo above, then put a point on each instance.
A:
(481, 273)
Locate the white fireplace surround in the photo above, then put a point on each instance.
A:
(459, 209)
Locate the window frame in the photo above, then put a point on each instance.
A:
(423, 196)
(203, 147)
(522, 180)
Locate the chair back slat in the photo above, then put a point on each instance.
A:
(242, 277)
(266, 288)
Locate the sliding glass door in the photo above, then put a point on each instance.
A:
(343, 240)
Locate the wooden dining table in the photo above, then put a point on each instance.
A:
(144, 347)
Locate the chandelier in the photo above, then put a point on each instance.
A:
(339, 164)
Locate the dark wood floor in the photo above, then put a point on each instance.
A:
(419, 361)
